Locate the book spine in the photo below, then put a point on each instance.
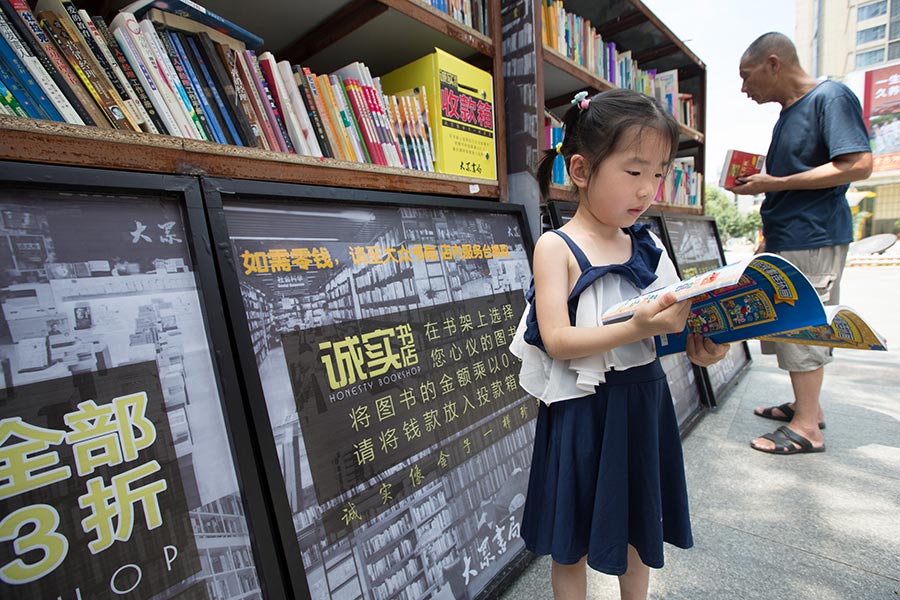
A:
(126, 37)
(229, 60)
(363, 116)
(390, 145)
(155, 123)
(223, 78)
(185, 89)
(132, 101)
(406, 151)
(212, 121)
(287, 77)
(314, 117)
(278, 132)
(327, 125)
(26, 80)
(170, 77)
(408, 119)
(69, 83)
(19, 93)
(292, 132)
(217, 100)
(348, 120)
(38, 74)
(81, 35)
(194, 11)
(340, 132)
(267, 137)
(8, 100)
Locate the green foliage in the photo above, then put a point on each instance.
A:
(731, 223)
(897, 226)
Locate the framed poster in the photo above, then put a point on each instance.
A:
(685, 379)
(124, 471)
(697, 248)
(378, 324)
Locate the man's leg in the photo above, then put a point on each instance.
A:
(807, 386)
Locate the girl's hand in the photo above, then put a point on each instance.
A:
(665, 315)
(703, 351)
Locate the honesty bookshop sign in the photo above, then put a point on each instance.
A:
(115, 467)
(382, 336)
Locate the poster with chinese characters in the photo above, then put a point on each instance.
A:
(881, 109)
(116, 473)
(381, 335)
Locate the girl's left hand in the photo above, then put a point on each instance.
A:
(703, 351)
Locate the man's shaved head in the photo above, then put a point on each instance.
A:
(768, 44)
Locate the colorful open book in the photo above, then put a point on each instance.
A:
(764, 297)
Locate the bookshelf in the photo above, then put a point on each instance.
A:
(539, 77)
(322, 36)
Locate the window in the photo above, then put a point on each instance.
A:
(870, 11)
(864, 36)
(872, 57)
(894, 51)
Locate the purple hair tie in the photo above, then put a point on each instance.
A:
(581, 100)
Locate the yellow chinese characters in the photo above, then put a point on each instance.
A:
(282, 260)
(359, 358)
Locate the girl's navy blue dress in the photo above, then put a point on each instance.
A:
(607, 469)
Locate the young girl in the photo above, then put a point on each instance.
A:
(607, 479)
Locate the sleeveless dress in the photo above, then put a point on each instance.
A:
(607, 468)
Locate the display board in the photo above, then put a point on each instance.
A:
(685, 380)
(697, 248)
(118, 471)
(378, 324)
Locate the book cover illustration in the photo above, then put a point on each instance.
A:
(740, 164)
(764, 297)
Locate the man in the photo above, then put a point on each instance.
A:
(819, 145)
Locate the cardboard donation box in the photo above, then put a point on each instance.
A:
(460, 106)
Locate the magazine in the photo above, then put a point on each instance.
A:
(764, 297)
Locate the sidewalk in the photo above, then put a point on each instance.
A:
(816, 526)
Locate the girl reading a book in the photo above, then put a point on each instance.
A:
(607, 484)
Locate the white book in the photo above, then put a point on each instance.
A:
(126, 30)
(291, 121)
(134, 105)
(38, 72)
(287, 77)
(360, 72)
(166, 89)
(162, 59)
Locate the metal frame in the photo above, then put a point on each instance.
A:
(712, 395)
(266, 556)
(214, 189)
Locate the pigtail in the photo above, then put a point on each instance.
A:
(545, 170)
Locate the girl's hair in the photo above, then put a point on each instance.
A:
(597, 130)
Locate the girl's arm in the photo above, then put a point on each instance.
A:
(565, 342)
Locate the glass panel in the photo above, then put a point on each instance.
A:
(871, 34)
(871, 57)
(876, 9)
(381, 335)
(110, 405)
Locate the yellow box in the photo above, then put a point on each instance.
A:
(460, 111)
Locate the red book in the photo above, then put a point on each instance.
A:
(740, 164)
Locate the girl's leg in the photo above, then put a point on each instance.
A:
(633, 585)
(569, 581)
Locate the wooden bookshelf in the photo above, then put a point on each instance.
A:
(31, 140)
(556, 78)
(323, 36)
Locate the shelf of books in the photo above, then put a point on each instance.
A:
(597, 46)
(329, 98)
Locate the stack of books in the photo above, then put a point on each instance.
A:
(173, 67)
(574, 37)
(473, 13)
(682, 185)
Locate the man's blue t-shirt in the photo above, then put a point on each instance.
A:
(825, 123)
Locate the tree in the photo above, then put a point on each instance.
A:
(723, 210)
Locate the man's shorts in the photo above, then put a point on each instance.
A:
(823, 267)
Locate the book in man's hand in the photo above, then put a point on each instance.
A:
(740, 164)
(764, 297)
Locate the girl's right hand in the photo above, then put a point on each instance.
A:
(662, 316)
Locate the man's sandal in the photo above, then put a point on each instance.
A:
(788, 441)
(787, 413)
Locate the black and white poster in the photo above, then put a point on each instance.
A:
(381, 335)
(116, 473)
